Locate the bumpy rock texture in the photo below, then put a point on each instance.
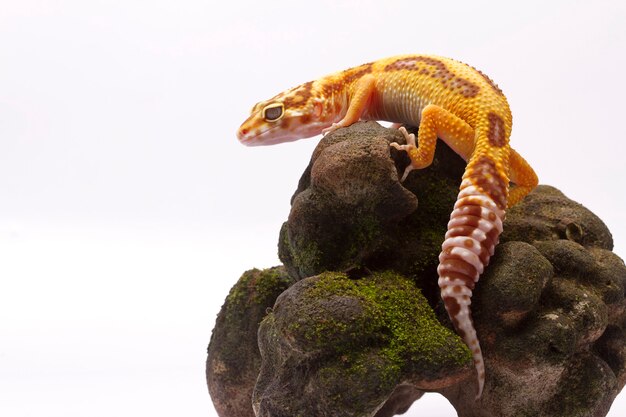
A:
(550, 310)
(234, 361)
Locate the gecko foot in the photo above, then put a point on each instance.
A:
(332, 128)
(409, 137)
(410, 148)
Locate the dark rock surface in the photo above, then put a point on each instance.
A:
(350, 210)
(550, 309)
(233, 356)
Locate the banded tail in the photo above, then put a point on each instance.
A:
(473, 232)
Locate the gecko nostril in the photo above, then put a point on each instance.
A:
(242, 133)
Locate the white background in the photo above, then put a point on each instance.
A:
(128, 208)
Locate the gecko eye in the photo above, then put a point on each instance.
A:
(273, 112)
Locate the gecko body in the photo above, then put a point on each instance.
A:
(446, 99)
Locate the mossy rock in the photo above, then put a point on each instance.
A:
(370, 333)
(550, 309)
(233, 358)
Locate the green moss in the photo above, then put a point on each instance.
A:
(269, 284)
(395, 316)
(369, 334)
(239, 292)
(256, 287)
(234, 340)
(307, 257)
(367, 373)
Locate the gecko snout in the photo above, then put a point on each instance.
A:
(241, 133)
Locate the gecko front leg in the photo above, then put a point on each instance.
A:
(357, 103)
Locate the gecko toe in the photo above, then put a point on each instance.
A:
(407, 171)
(409, 137)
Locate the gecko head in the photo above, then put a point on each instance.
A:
(295, 114)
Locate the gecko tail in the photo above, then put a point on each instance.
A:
(473, 232)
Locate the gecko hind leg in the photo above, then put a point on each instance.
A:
(522, 175)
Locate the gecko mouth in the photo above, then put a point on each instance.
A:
(276, 134)
(251, 137)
